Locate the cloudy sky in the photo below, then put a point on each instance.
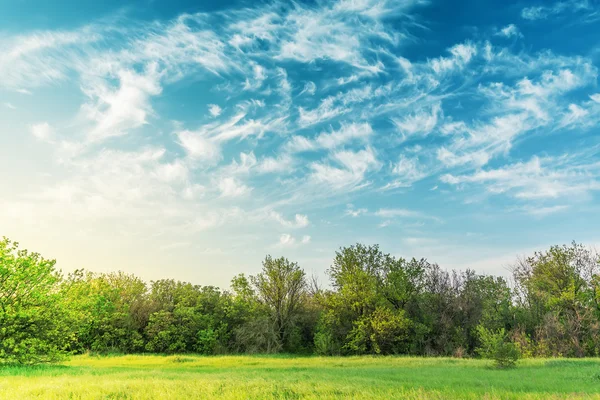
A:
(187, 140)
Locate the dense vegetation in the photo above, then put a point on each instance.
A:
(376, 304)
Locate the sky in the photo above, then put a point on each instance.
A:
(187, 140)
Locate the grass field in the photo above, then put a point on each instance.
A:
(280, 377)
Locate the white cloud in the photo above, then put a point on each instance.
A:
(351, 171)
(309, 88)
(246, 163)
(263, 27)
(258, 77)
(119, 188)
(199, 147)
(531, 103)
(332, 34)
(325, 111)
(116, 111)
(331, 140)
(9, 106)
(389, 215)
(401, 213)
(287, 240)
(533, 13)
(300, 144)
(299, 221)
(346, 80)
(421, 122)
(498, 103)
(239, 128)
(41, 58)
(230, 187)
(353, 212)
(575, 114)
(509, 31)
(474, 158)
(193, 191)
(42, 131)
(544, 211)
(535, 179)
(346, 134)
(543, 12)
(214, 110)
(176, 171)
(340, 104)
(461, 55)
(409, 171)
(282, 164)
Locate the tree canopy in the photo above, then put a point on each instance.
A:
(375, 304)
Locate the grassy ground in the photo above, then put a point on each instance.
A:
(279, 377)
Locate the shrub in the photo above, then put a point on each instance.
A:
(207, 340)
(496, 346)
(389, 330)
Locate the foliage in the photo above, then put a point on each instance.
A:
(376, 304)
(496, 346)
(34, 326)
(109, 311)
(281, 286)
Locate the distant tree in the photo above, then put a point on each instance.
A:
(365, 313)
(483, 300)
(186, 318)
(558, 296)
(34, 324)
(281, 286)
(376, 304)
(110, 310)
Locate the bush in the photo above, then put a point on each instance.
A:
(323, 344)
(389, 331)
(207, 340)
(496, 346)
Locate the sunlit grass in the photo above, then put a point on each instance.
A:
(283, 377)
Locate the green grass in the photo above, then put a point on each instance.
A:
(281, 377)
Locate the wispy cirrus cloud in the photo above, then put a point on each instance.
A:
(347, 169)
(347, 133)
(249, 120)
(509, 31)
(553, 9)
(538, 178)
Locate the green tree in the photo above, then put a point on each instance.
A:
(496, 345)
(557, 294)
(34, 324)
(110, 310)
(281, 287)
(365, 313)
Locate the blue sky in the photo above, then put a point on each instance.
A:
(171, 139)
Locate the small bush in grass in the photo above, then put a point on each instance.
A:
(496, 346)
(180, 359)
(460, 352)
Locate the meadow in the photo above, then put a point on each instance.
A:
(292, 377)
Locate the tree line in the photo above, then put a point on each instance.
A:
(375, 304)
